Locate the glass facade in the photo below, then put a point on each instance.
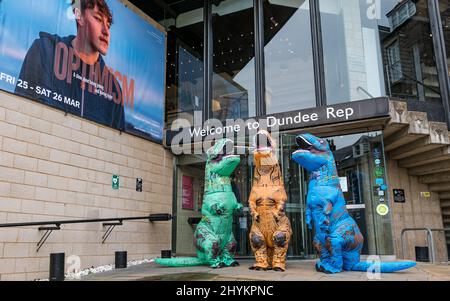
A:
(252, 58)
(444, 8)
(185, 57)
(408, 52)
(233, 76)
(351, 51)
(289, 70)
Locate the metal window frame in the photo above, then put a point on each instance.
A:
(317, 49)
(260, 74)
(207, 59)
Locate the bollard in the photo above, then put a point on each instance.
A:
(166, 253)
(56, 267)
(121, 260)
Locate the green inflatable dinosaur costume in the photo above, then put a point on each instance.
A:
(213, 238)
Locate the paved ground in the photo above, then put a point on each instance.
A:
(297, 270)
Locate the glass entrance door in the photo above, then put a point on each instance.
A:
(300, 245)
(295, 181)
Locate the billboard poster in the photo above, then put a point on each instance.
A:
(93, 58)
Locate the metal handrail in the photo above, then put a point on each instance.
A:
(430, 240)
(118, 221)
(151, 218)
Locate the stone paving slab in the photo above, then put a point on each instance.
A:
(297, 270)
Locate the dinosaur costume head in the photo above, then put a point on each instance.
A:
(220, 159)
(313, 152)
(264, 156)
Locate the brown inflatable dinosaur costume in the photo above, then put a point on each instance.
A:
(271, 229)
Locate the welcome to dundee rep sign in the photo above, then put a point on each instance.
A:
(184, 133)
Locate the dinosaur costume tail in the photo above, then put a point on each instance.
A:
(179, 262)
(385, 267)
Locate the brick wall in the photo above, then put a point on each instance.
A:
(56, 167)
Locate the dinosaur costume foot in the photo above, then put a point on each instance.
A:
(234, 264)
(219, 265)
(328, 266)
(259, 268)
(320, 268)
(279, 269)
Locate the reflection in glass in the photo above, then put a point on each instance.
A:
(289, 72)
(444, 7)
(295, 182)
(361, 168)
(351, 50)
(233, 82)
(408, 50)
(183, 21)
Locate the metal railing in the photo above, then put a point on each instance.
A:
(430, 240)
(107, 222)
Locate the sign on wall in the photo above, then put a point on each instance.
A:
(188, 193)
(293, 120)
(103, 63)
(115, 182)
(399, 196)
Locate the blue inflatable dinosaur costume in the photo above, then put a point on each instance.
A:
(337, 236)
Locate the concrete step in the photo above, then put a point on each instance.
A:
(444, 195)
(436, 155)
(445, 203)
(435, 178)
(430, 169)
(446, 213)
(440, 187)
(438, 137)
(419, 127)
(400, 118)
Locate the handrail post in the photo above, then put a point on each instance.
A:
(403, 243)
(430, 243)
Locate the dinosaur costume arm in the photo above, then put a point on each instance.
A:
(239, 206)
(308, 215)
(280, 205)
(252, 205)
(215, 208)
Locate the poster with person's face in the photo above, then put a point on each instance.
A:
(93, 58)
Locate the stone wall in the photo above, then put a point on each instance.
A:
(57, 167)
(417, 212)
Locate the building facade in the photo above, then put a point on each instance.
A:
(275, 59)
(369, 76)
